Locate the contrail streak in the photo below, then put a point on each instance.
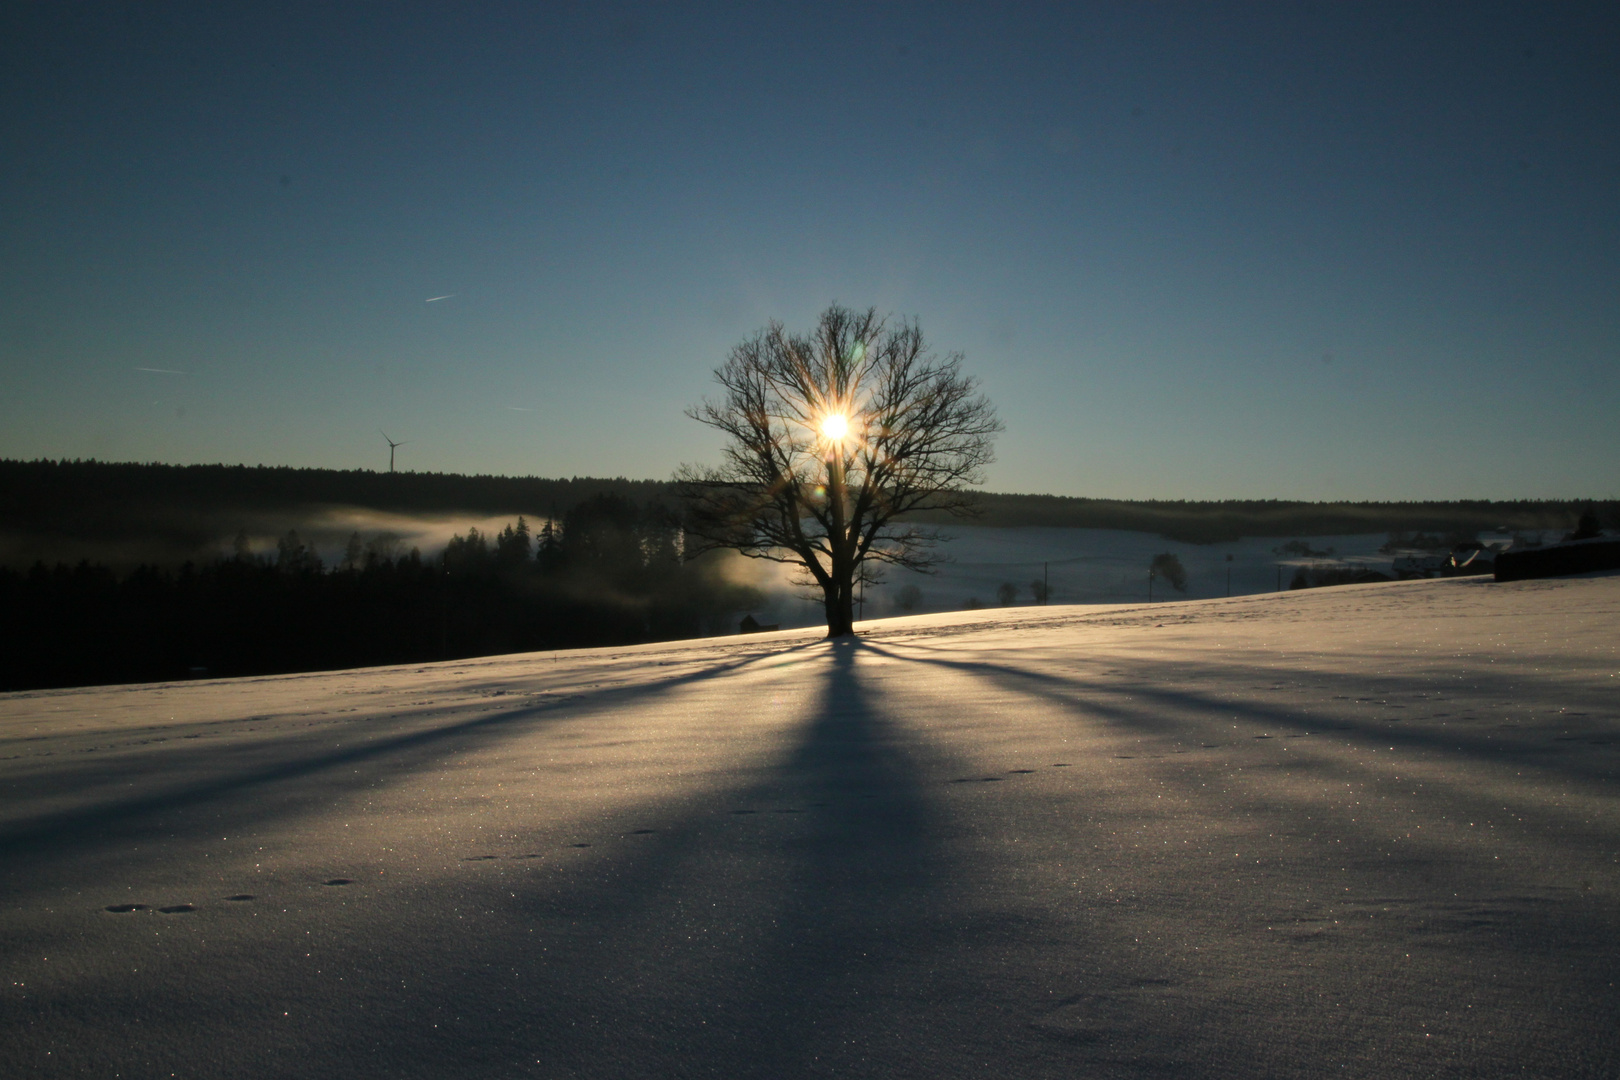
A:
(160, 370)
(446, 296)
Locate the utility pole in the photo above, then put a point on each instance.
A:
(1046, 584)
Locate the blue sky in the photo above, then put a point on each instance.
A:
(1191, 250)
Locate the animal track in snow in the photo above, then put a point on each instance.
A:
(338, 881)
(177, 909)
(241, 896)
(124, 909)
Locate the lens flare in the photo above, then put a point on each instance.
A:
(835, 427)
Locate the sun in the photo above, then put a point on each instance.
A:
(834, 427)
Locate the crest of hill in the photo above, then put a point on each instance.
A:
(98, 498)
(191, 503)
(1213, 522)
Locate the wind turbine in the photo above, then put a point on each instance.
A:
(391, 444)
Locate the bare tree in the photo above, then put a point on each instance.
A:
(1167, 566)
(833, 437)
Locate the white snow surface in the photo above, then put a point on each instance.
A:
(1366, 831)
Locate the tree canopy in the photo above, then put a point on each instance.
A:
(833, 437)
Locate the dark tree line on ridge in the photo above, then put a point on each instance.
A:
(47, 507)
(611, 574)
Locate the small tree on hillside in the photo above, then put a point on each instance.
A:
(1168, 567)
(832, 437)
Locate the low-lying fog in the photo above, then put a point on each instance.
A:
(982, 563)
(1084, 566)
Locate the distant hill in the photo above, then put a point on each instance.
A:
(1232, 519)
(33, 490)
(72, 509)
(122, 513)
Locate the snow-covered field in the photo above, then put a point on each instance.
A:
(1362, 831)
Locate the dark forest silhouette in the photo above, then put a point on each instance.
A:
(610, 573)
(50, 506)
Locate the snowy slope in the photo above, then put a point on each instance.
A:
(1367, 831)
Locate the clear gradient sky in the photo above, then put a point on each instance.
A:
(1318, 251)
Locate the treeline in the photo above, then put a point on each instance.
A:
(125, 513)
(611, 572)
(1229, 520)
(171, 512)
(31, 490)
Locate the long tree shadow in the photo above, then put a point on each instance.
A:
(806, 921)
(829, 915)
(1155, 707)
(63, 835)
(1167, 699)
(826, 914)
(836, 940)
(1440, 894)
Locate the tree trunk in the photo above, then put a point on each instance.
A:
(840, 604)
(840, 589)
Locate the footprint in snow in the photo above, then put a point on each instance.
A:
(124, 909)
(177, 909)
(338, 881)
(241, 897)
(479, 858)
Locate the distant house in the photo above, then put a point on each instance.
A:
(751, 625)
(1470, 557)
